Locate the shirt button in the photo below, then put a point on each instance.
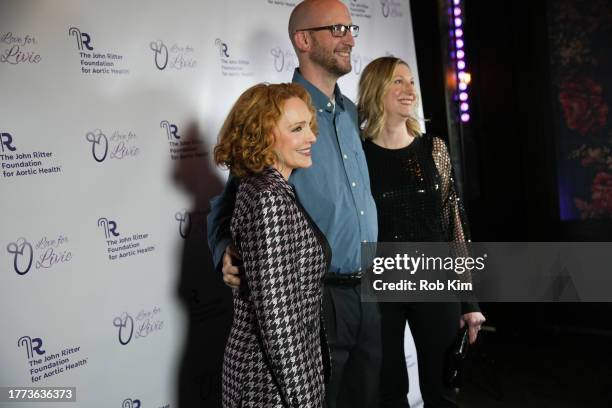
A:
(353, 184)
(320, 110)
(344, 156)
(359, 269)
(361, 212)
(328, 104)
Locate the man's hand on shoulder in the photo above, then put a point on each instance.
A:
(231, 269)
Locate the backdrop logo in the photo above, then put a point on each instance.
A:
(16, 53)
(121, 145)
(144, 324)
(130, 403)
(283, 60)
(171, 129)
(83, 39)
(184, 219)
(109, 227)
(182, 148)
(124, 246)
(23, 254)
(360, 8)
(43, 364)
(191, 224)
(125, 324)
(6, 141)
(359, 62)
(52, 252)
(161, 54)
(31, 346)
(175, 56)
(99, 144)
(283, 3)
(385, 7)
(99, 62)
(36, 162)
(391, 8)
(279, 58)
(233, 67)
(356, 64)
(223, 48)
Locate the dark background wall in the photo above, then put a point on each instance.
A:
(510, 158)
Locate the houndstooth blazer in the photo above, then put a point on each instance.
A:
(276, 354)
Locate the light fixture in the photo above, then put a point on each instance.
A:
(457, 53)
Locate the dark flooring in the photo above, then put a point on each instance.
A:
(539, 368)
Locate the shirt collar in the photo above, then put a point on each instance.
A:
(319, 99)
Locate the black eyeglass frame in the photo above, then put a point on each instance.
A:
(336, 28)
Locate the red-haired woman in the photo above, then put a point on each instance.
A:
(276, 354)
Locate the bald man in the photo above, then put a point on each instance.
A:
(335, 191)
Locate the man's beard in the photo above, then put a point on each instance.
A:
(328, 60)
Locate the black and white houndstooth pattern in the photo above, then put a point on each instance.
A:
(284, 267)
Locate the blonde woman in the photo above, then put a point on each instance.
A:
(276, 354)
(412, 184)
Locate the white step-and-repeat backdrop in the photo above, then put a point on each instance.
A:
(108, 115)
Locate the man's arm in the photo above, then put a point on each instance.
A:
(218, 220)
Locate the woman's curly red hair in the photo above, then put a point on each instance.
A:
(246, 139)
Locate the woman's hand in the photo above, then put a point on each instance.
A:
(474, 320)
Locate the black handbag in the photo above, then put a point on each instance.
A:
(455, 360)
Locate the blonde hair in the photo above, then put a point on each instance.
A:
(374, 83)
(246, 139)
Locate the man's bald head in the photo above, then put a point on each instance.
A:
(322, 57)
(310, 13)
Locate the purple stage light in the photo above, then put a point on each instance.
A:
(463, 78)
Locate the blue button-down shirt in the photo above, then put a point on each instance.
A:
(335, 190)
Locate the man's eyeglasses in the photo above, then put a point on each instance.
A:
(337, 30)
